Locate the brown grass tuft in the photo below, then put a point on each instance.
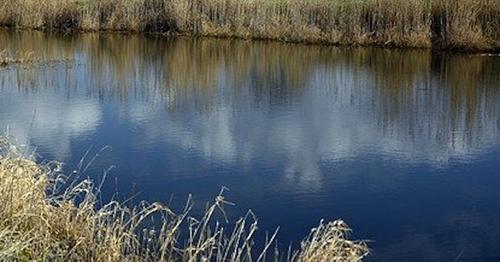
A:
(36, 223)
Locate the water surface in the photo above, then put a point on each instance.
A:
(404, 145)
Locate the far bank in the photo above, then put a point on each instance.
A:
(464, 25)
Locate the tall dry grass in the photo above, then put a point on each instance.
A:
(42, 218)
(453, 24)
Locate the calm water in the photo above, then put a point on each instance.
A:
(404, 145)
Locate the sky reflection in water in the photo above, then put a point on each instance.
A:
(404, 145)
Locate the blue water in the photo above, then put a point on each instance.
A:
(403, 145)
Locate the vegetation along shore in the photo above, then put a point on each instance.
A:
(467, 25)
(45, 218)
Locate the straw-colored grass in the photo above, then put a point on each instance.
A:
(451, 24)
(42, 218)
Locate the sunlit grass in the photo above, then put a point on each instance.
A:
(43, 218)
(464, 24)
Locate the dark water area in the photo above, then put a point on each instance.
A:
(403, 145)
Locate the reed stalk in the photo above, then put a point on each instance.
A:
(44, 218)
(446, 24)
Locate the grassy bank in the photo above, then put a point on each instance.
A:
(42, 219)
(446, 24)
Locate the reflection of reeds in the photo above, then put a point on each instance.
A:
(17, 58)
(37, 224)
(187, 72)
(464, 24)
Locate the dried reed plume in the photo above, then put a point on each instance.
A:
(451, 24)
(42, 218)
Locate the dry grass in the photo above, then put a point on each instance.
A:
(42, 219)
(452, 24)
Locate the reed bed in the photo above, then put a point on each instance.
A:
(44, 218)
(447, 24)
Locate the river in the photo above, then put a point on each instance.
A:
(402, 144)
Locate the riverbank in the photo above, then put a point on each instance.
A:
(44, 219)
(465, 25)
